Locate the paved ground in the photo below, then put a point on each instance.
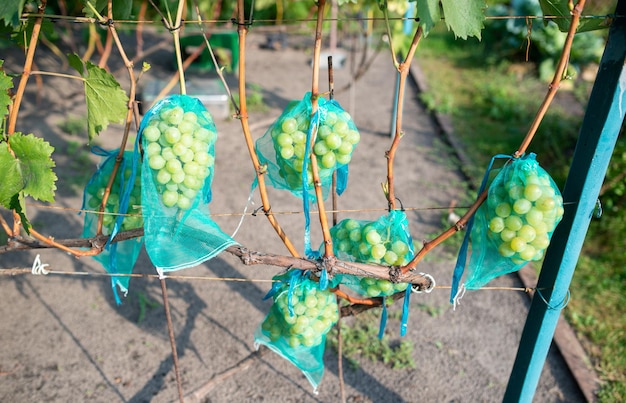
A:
(63, 338)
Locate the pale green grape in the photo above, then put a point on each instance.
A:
(345, 148)
(172, 135)
(522, 206)
(518, 244)
(153, 149)
(287, 152)
(503, 210)
(400, 248)
(284, 139)
(329, 160)
(151, 133)
(390, 257)
(532, 192)
(378, 251)
(507, 235)
(341, 127)
(289, 125)
(324, 131)
(513, 222)
(373, 237)
(170, 198)
(156, 162)
(175, 115)
(496, 225)
(333, 141)
(343, 159)
(505, 250)
(527, 233)
(528, 253)
(163, 176)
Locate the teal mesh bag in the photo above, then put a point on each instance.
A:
(287, 143)
(178, 137)
(121, 213)
(296, 326)
(514, 225)
(386, 241)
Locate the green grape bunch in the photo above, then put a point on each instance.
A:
(523, 209)
(96, 190)
(314, 313)
(372, 243)
(334, 142)
(178, 146)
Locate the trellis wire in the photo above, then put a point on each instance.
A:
(298, 20)
(19, 271)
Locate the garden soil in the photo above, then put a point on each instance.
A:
(63, 339)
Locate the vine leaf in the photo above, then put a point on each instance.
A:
(5, 85)
(464, 18)
(10, 11)
(429, 14)
(26, 170)
(560, 8)
(121, 9)
(106, 100)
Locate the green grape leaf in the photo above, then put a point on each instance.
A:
(99, 5)
(5, 85)
(121, 9)
(106, 100)
(28, 171)
(76, 63)
(429, 13)
(464, 18)
(18, 204)
(560, 8)
(12, 179)
(10, 11)
(22, 36)
(33, 163)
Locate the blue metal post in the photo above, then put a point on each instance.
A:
(598, 134)
(394, 111)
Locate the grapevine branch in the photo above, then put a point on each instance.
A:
(28, 63)
(242, 30)
(328, 243)
(19, 94)
(218, 69)
(552, 89)
(247, 257)
(403, 70)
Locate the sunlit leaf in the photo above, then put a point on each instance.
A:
(106, 100)
(429, 14)
(10, 11)
(464, 18)
(5, 85)
(560, 9)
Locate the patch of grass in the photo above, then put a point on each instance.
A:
(360, 341)
(492, 107)
(79, 159)
(74, 125)
(254, 98)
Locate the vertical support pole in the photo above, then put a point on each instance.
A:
(597, 138)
